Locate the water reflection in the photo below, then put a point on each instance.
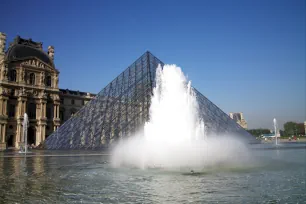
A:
(278, 176)
(23, 177)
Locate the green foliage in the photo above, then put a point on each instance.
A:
(293, 128)
(282, 133)
(301, 129)
(258, 132)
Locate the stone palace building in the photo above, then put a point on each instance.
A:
(238, 117)
(29, 84)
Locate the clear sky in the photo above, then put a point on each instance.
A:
(246, 56)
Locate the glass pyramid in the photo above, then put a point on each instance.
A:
(122, 108)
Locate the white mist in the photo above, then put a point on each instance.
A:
(174, 137)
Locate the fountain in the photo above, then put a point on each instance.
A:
(174, 136)
(275, 130)
(25, 134)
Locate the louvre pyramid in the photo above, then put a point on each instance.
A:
(122, 107)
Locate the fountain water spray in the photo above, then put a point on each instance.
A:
(25, 133)
(275, 130)
(175, 135)
(174, 118)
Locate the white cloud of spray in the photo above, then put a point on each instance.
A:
(174, 137)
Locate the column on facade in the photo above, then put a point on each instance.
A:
(43, 108)
(56, 115)
(2, 135)
(3, 120)
(2, 139)
(22, 102)
(3, 105)
(19, 134)
(54, 112)
(22, 106)
(3, 132)
(57, 111)
(41, 133)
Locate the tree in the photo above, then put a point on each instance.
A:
(301, 129)
(291, 128)
(282, 133)
(258, 132)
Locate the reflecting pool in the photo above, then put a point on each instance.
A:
(277, 175)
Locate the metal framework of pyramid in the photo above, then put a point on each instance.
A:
(122, 108)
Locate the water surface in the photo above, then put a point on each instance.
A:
(274, 176)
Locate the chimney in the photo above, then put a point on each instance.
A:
(2, 45)
(51, 52)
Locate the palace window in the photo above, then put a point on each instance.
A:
(32, 78)
(72, 101)
(32, 110)
(61, 114)
(12, 93)
(49, 113)
(13, 75)
(12, 109)
(48, 83)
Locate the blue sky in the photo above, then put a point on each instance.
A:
(246, 56)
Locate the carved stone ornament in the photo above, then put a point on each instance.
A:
(22, 92)
(42, 78)
(56, 97)
(4, 91)
(44, 94)
(21, 73)
(27, 42)
(56, 79)
(33, 63)
(4, 72)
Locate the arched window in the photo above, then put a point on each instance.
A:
(13, 75)
(62, 115)
(12, 93)
(32, 110)
(49, 113)
(48, 81)
(32, 78)
(31, 135)
(12, 109)
(10, 141)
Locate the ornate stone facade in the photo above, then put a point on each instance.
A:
(238, 117)
(29, 83)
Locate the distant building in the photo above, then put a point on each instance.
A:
(238, 117)
(305, 127)
(29, 84)
(271, 135)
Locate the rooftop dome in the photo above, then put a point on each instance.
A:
(22, 48)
